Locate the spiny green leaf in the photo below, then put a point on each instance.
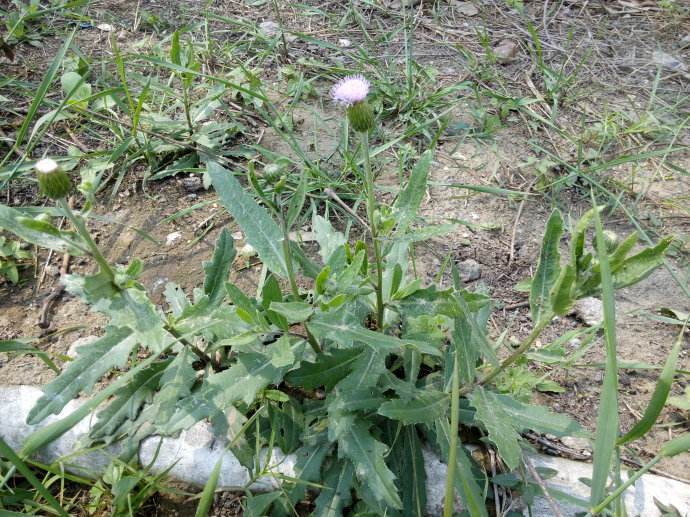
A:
(127, 401)
(407, 462)
(499, 426)
(260, 230)
(327, 371)
(367, 455)
(366, 370)
(547, 269)
(217, 268)
(94, 361)
(641, 265)
(130, 308)
(175, 384)
(335, 495)
(338, 332)
(428, 405)
(239, 383)
(535, 418)
(562, 292)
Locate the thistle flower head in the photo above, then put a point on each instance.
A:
(52, 180)
(350, 90)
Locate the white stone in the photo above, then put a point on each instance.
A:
(344, 43)
(589, 310)
(172, 238)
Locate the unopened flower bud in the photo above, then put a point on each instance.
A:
(611, 240)
(361, 117)
(52, 180)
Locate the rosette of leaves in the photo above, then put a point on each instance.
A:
(358, 407)
(12, 257)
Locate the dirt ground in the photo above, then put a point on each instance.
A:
(619, 38)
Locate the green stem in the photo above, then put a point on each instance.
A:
(371, 208)
(79, 225)
(622, 488)
(288, 264)
(190, 126)
(449, 499)
(536, 331)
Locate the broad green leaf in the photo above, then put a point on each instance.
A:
(346, 400)
(11, 221)
(535, 418)
(658, 400)
(282, 353)
(260, 230)
(367, 455)
(327, 371)
(562, 293)
(548, 268)
(465, 483)
(239, 383)
(94, 361)
(176, 299)
(411, 197)
(499, 426)
(130, 308)
(293, 312)
(328, 238)
(607, 420)
(366, 370)
(74, 85)
(335, 495)
(428, 405)
(641, 265)
(271, 293)
(407, 463)
(340, 331)
(217, 268)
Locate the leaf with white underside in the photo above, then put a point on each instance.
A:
(261, 231)
(93, 362)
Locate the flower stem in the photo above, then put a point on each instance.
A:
(79, 225)
(622, 488)
(449, 499)
(371, 208)
(536, 331)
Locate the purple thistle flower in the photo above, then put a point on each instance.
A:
(350, 90)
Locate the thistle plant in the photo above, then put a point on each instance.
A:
(302, 370)
(352, 92)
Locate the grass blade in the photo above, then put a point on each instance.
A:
(607, 419)
(206, 499)
(661, 391)
(24, 470)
